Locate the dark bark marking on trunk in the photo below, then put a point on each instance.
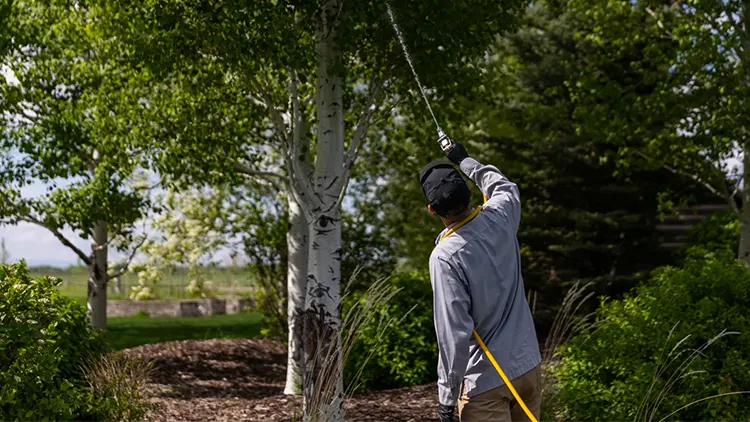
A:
(319, 290)
(320, 345)
(333, 180)
(297, 333)
(323, 232)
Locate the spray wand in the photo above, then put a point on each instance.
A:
(445, 142)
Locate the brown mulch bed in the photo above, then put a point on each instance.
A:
(243, 380)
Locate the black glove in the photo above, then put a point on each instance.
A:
(446, 413)
(457, 153)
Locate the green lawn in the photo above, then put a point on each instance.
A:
(126, 332)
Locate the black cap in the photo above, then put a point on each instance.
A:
(444, 188)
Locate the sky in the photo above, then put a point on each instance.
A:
(38, 245)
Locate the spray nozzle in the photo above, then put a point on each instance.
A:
(445, 142)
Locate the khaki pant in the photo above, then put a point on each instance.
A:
(499, 405)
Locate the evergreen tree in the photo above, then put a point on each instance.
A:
(584, 217)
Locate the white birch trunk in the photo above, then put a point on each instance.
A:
(743, 254)
(323, 366)
(97, 277)
(118, 285)
(298, 247)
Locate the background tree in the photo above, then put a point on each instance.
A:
(583, 217)
(64, 125)
(188, 232)
(702, 108)
(318, 71)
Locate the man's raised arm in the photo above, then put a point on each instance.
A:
(501, 193)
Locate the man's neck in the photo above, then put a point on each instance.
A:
(453, 220)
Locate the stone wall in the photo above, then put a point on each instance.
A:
(178, 308)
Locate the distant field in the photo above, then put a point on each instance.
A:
(227, 281)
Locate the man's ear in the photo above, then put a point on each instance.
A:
(429, 207)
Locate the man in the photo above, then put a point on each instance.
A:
(475, 270)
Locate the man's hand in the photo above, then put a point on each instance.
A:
(446, 413)
(457, 153)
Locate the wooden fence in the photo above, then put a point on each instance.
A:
(674, 229)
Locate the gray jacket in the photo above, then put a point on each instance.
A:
(477, 285)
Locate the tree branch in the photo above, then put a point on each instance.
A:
(124, 267)
(301, 188)
(104, 245)
(299, 179)
(268, 176)
(723, 195)
(730, 197)
(384, 113)
(695, 177)
(659, 22)
(363, 124)
(733, 204)
(309, 100)
(375, 87)
(278, 121)
(745, 31)
(30, 219)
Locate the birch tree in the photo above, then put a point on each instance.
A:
(316, 76)
(64, 125)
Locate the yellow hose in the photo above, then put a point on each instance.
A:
(504, 377)
(479, 339)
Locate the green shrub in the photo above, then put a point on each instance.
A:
(142, 314)
(45, 345)
(719, 231)
(44, 340)
(407, 353)
(640, 361)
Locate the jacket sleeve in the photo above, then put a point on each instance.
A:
(453, 327)
(500, 193)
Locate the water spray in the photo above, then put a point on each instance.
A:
(445, 142)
